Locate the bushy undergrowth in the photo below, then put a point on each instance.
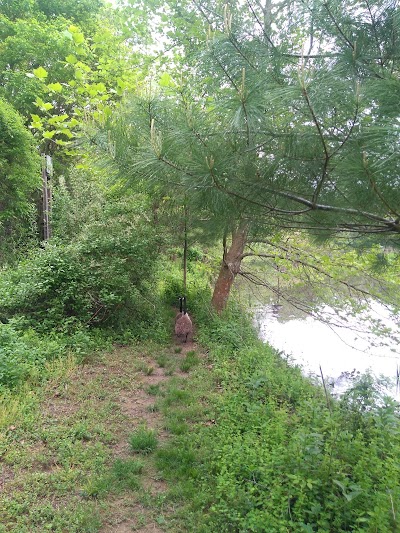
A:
(24, 353)
(98, 278)
(277, 458)
(76, 295)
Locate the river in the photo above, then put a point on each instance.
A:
(341, 344)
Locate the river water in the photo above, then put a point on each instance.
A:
(339, 343)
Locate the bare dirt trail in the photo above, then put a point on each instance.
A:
(86, 417)
(136, 404)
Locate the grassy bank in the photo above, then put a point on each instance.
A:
(223, 438)
(273, 453)
(77, 452)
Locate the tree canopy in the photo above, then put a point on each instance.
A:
(283, 126)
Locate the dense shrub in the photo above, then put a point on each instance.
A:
(281, 460)
(24, 352)
(99, 278)
(20, 355)
(19, 164)
(19, 178)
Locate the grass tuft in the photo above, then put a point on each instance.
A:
(191, 360)
(143, 440)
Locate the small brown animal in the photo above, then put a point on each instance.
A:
(183, 326)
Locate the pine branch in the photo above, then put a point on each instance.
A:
(375, 188)
(323, 142)
(390, 225)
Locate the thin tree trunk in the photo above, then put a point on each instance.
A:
(46, 198)
(230, 267)
(185, 249)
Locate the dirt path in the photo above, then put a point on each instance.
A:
(137, 407)
(52, 470)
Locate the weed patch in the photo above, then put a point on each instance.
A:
(143, 440)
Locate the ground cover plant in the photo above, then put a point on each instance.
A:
(66, 457)
(273, 455)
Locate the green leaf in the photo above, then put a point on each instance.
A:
(78, 38)
(39, 102)
(67, 132)
(67, 34)
(71, 59)
(55, 87)
(166, 80)
(57, 119)
(49, 134)
(40, 73)
(45, 106)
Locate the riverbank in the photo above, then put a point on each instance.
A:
(226, 438)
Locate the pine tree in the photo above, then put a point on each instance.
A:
(284, 118)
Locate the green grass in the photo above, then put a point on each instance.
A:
(191, 360)
(154, 389)
(57, 443)
(162, 360)
(253, 443)
(143, 366)
(143, 440)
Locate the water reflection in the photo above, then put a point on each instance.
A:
(341, 344)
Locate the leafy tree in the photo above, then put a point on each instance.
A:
(27, 45)
(282, 127)
(77, 10)
(15, 9)
(99, 67)
(19, 168)
(80, 11)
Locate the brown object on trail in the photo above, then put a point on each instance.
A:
(183, 326)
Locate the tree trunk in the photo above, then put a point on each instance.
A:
(185, 250)
(46, 196)
(230, 267)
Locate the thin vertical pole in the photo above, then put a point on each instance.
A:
(46, 202)
(185, 249)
